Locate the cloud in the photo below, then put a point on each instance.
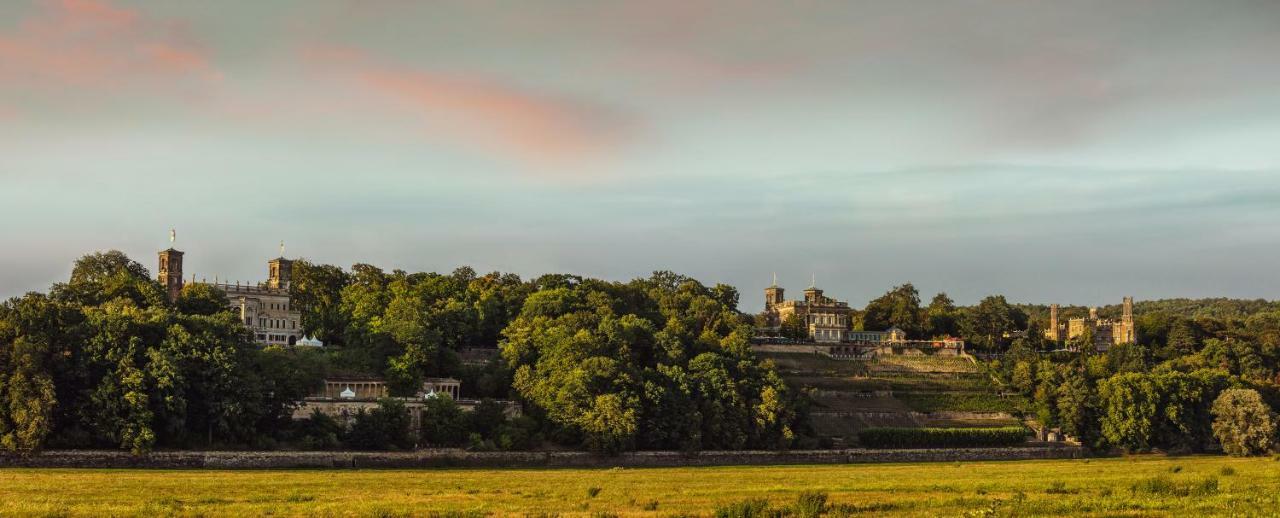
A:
(92, 44)
(535, 127)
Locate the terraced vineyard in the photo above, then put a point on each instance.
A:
(897, 391)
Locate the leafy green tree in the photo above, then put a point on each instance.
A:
(1243, 423)
(102, 276)
(317, 431)
(1130, 405)
(316, 292)
(658, 362)
(29, 398)
(944, 318)
(1169, 410)
(1183, 339)
(1077, 410)
(383, 428)
(443, 422)
(794, 328)
(201, 299)
(899, 308)
(987, 324)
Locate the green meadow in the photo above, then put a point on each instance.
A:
(1126, 486)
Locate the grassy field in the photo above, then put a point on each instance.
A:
(1134, 486)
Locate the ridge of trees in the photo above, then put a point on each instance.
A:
(105, 360)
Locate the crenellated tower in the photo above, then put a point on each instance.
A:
(1054, 332)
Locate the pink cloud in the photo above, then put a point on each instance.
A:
(494, 116)
(93, 44)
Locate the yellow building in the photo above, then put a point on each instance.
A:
(266, 308)
(827, 319)
(1105, 332)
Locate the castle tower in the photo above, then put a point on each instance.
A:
(1093, 313)
(279, 273)
(170, 272)
(772, 294)
(1053, 332)
(812, 295)
(1128, 332)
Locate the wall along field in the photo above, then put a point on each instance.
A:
(1140, 485)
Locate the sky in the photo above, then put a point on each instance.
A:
(1071, 152)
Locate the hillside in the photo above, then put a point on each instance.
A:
(896, 391)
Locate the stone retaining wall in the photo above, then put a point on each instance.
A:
(462, 458)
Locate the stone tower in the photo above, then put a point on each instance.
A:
(1128, 331)
(279, 273)
(1053, 334)
(170, 272)
(772, 296)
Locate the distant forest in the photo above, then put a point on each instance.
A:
(106, 360)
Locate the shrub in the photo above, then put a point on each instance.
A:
(651, 505)
(941, 437)
(1157, 485)
(383, 428)
(443, 422)
(810, 504)
(1242, 422)
(754, 508)
(1165, 486)
(1059, 487)
(1227, 471)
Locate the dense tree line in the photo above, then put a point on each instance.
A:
(988, 325)
(658, 363)
(1204, 373)
(106, 360)
(1145, 396)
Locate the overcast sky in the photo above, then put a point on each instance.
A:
(1070, 152)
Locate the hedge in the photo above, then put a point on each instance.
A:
(941, 437)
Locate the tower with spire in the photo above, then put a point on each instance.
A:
(773, 294)
(266, 309)
(170, 268)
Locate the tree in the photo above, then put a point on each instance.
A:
(443, 422)
(201, 299)
(1130, 403)
(1182, 339)
(1078, 411)
(990, 321)
(103, 276)
(316, 292)
(943, 316)
(659, 363)
(383, 428)
(899, 308)
(1169, 410)
(793, 327)
(1243, 423)
(29, 399)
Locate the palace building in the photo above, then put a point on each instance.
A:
(827, 319)
(265, 307)
(1105, 332)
